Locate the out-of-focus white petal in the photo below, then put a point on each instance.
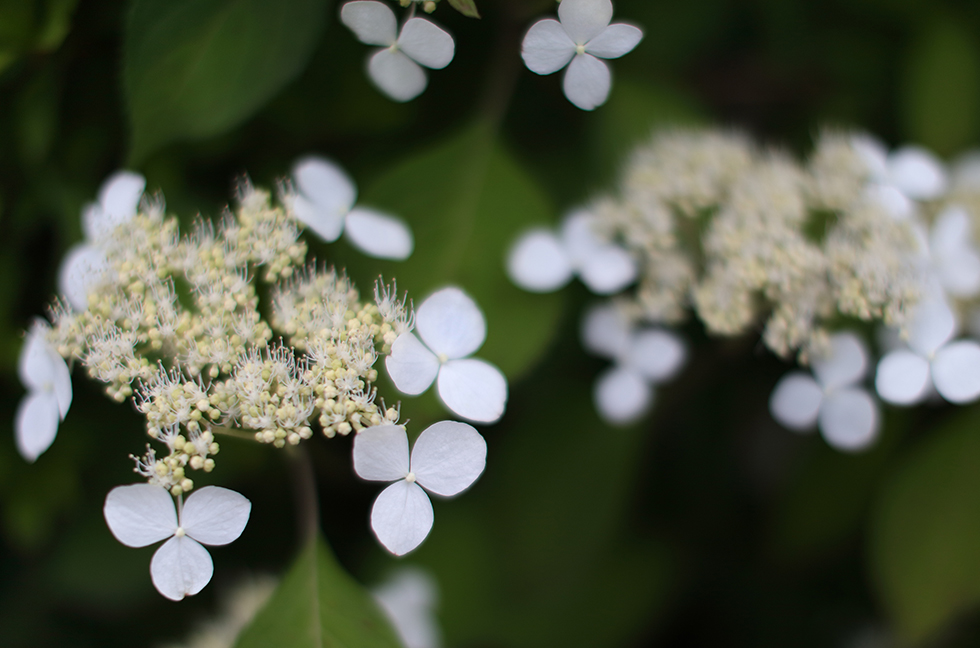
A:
(396, 75)
(81, 270)
(214, 515)
(34, 367)
(579, 237)
(381, 453)
(849, 419)
(181, 567)
(902, 378)
(36, 424)
(657, 354)
(537, 262)
(411, 365)
(622, 396)
(846, 363)
(873, 153)
(372, 22)
(379, 235)
(325, 184)
(140, 514)
(448, 457)
(954, 257)
(61, 381)
(615, 41)
(401, 517)
(587, 82)
(932, 325)
(426, 44)
(326, 222)
(583, 20)
(893, 201)
(960, 274)
(956, 371)
(408, 598)
(547, 47)
(917, 173)
(608, 270)
(605, 332)
(966, 171)
(951, 232)
(795, 401)
(473, 389)
(120, 196)
(450, 323)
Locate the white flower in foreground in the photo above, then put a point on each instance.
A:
(409, 598)
(540, 261)
(141, 514)
(447, 458)
(905, 376)
(583, 34)
(325, 204)
(452, 328)
(954, 256)
(898, 179)
(644, 358)
(846, 414)
(396, 68)
(45, 375)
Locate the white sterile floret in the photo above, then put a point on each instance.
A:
(582, 34)
(846, 414)
(954, 256)
(396, 68)
(452, 328)
(141, 514)
(45, 375)
(325, 204)
(898, 179)
(644, 358)
(906, 376)
(541, 261)
(447, 458)
(409, 598)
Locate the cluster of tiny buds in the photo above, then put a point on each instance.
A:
(428, 6)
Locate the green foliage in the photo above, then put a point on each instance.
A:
(465, 7)
(32, 26)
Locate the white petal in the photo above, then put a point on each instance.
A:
(917, 173)
(140, 514)
(120, 196)
(960, 274)
(95, 223)
(537, 262)
(325, 184)
(372, 22)
(609, 270)
(951, 232)
(396, 75)
(214, 515)
(606, 332)
(966, 171)
(931, 326)
(615, 41)
(622, 396)
(657, 354)
(34, 366)
(873, 153)
(795, 401)
(448, 457)
(547, 47)
(956, 371)
(956, 260)
(902, 378)
(327, 223)
(579, 237)
(381, 453)
(584, 19)
(587, 82)
(411, 366)
(849, 419)
(181, 567)
(379, 235)
(473, 389)
(847, 362)
(408, 598)
(451, 323)
(36, 424)
(426, 44)
(81, 271)
(401, 517)
(893, 201)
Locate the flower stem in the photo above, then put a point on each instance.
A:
(237, 433)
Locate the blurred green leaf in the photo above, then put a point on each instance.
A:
(318, 605)
(196, 68)
(37, 118)
(925, 531)
(465, 7)
(57, 24)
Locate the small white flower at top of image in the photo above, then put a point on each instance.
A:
(954, 255)
(452, 328)
(900, 178)
(542, 261)
(831, 398)
(409, 598)
(396, 68)
(581, 34)
(142, 514)
(324, 202)
(644, 357)
(45, 375)
(447, 458)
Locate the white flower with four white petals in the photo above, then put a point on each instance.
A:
(447, 458)
(47, 379)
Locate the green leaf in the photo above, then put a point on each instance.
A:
(318, 605)
(925, 534)
(196, 68)
(465, 7)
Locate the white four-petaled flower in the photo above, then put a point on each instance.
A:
(447, 458)
(45, 375)
(583, 34)
(141, 514)
(452, 328)
(396, 68)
